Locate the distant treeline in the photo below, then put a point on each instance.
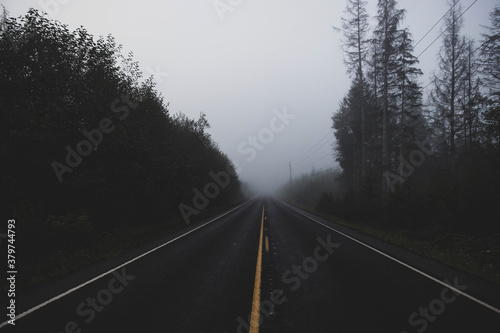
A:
(86, 141)
(410, 160)
(308, 188)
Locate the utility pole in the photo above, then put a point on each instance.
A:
(290, 165)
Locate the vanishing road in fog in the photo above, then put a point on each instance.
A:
(312, 276)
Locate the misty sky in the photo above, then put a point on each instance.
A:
(248, 62)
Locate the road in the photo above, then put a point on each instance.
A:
(307, 274)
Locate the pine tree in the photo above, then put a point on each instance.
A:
(450, 82)
(410, 92)
(470, 98)
(355, 45)
(490, 70)
(386, 66)
(347, 125)
(490, 60)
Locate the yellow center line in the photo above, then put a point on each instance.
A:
(255, 317)
(267, 244)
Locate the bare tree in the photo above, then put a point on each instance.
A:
(410, 91)
(450, 81)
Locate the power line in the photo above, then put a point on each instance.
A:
(436, 23)
(311, 153)
(329, 154)
(307, 151)
(465, 11)
(322, 170)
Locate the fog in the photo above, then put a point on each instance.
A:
(268, 74)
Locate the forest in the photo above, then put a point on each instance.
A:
(420, 170)
(409, 160)
(89, 146)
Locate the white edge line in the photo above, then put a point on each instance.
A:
(401, 262)
(55, 298)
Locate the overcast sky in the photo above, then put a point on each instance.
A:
(244, 62)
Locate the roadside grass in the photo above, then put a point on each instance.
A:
(50, 263)
(476, 255)
(45, 260)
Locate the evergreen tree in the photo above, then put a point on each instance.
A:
(346, 123)
(490, 60)
(490, 70)
(449, 83)
(386, 37)
(355, 45)
(410, 93)
(470, 99)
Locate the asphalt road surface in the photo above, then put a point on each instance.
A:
(263, 267)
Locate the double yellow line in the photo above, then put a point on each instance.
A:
(255, 316)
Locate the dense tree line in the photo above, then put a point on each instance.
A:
(410, 159)
(307, 188)
(85, 140)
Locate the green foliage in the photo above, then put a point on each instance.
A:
(459, 200)
(58, 83)
(77, 222)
